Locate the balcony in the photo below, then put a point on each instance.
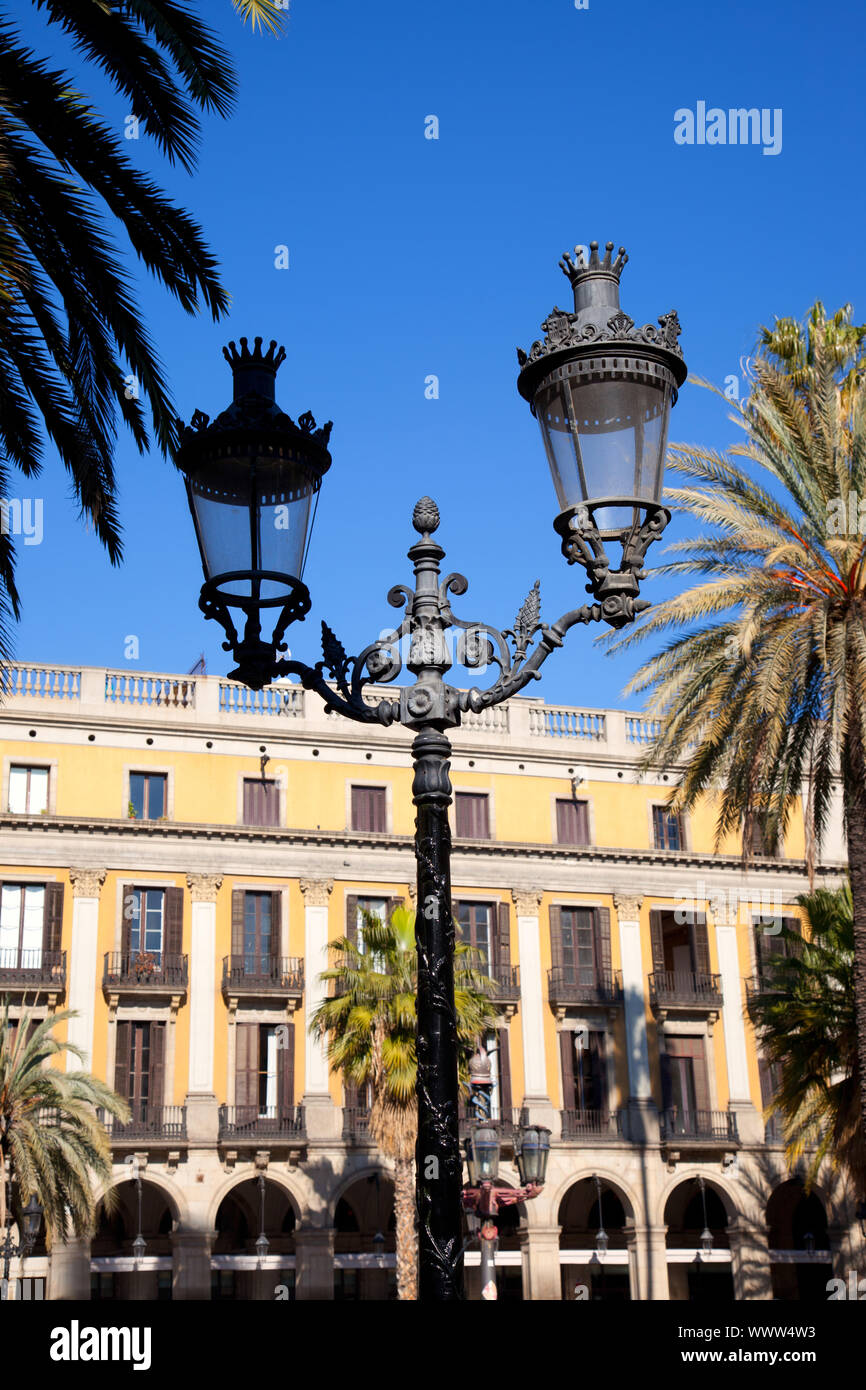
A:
(144, 972)
(759, 989)
(32, 969)
(506, 987)
(274, 1123)
(593, 1126)
(356, 1125)
(714, 1129)
(573, 984)
(263, 976)
(156, 1124)
(685, 989)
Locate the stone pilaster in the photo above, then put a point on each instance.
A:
(539, 1248)
(190, 1253)
(69, 1271)
(83, 964)
(750, 1262)
(527, 902)
(322, 1116)
(314, 1275)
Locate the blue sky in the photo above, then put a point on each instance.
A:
(410, 257)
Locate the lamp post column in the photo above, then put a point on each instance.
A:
(439, 1168)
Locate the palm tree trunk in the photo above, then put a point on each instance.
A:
(407, 1240)
(855, 824)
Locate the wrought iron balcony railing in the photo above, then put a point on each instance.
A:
(144, 970)
(578, 984)
(148, 1122)
(506, 984)
(507, 1122)
(27, 968)
(356, 1124)
(691, 989)
(263, 974)
(700, 1126)
(257, 1122)
(600, 1126)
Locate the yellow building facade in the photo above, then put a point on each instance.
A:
(176, 855)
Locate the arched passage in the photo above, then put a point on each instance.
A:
(800, 1257)
(364, 1241)
(118, 1271)
(593, 1216)
(242, 1269)
(699, 1264)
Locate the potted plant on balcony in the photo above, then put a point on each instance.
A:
(144, 967)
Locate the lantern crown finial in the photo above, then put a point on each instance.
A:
(272, 359)
(578, 268)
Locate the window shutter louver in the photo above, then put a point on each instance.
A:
(156, 1087)
(566, 1054)
(238, 897)
(53, 919)
(286, 1082)
(352, 918)
(127, 920)
(667, 1087)
(471, 815)
(555, 915)
(572, 822)
(657, 940)
(502, 938)
(504, 1073)
(599, 1071)
(121, 1058)
(247, 1065)
(702, 1079)
(602, 941)
(173, 933)
(700, 945)
(276, 948)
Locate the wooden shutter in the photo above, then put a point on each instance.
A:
(502, 940)
(667, 1087)
(693, 1048)
(504, 1073)
(123, 1042)
(657, 940)
(369, 809)
(768, 1089)
(276, 925)
(566, 1053)
(53, 919)
(173, 925)
(286, 1073)
(471, 816)
(555, 915)
(601, 926)
(598, 1071)
(156, 1088)
(247, 1065)
(700, 944)
(391, 906)
(352, 918)
(238, 897)
(572, 822)
(126, 917)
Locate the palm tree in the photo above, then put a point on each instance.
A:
(764, 693)
(73, 352)
(369, 1024)
(805, 1020)
(52, 1142)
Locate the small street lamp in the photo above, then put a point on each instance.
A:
(602, 1239)
(262, 1244)
(602, 390)
(29, 1222)
(706, 1233)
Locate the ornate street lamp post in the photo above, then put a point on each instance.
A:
(602, 392)
(29, 1222)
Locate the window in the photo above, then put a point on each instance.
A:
(146, 921)
(762, 838)
(572, 822)
(476, 929)
(28, 790)
(496, 1047)
(222, 1285)
(680, 948)
(471, 814)
(22, 926)
(264, 1071)
(147, 798)
(685, 1081)
(772, 946)
(101, 1287)
(261, 801)
(578, 944)
(267, 1070)
(259, 932)
(584, 1070)
(370, 810)
(667, 829)
(139, 1068)
(373, 907)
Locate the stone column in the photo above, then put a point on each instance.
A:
(69, 1271)
(750, 1123)
(539, 1247)
(314, 1272)
(648, 1264)
(750, 1262)
(190, 1254)
(201, 1102)
(321, 1115)
(83, 965)
(642, 1114)
(536, 1097)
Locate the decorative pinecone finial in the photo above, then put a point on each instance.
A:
(425, 517)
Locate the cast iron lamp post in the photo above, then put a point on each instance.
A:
(601, 390)
(30, 1221)
(484, 1195)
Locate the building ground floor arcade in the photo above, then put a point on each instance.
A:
(716, 1228)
